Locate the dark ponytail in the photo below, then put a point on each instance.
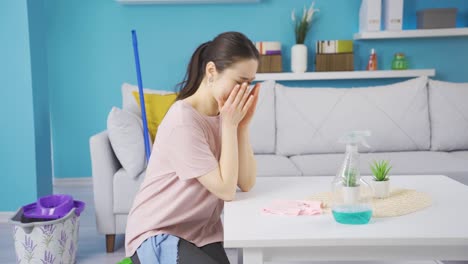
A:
(194, 75)
(225, 50)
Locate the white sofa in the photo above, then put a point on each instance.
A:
(420, 125)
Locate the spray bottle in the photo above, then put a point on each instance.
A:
(351, 203)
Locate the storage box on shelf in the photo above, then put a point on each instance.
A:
(437, 18)
(334, 55)
(270, 63)
(270, 56)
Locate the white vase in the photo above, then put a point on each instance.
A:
(381, 188)
(299, 58)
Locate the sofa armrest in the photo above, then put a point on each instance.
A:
(104, 165)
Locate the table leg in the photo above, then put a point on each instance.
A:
(253, 256)
(240, 256)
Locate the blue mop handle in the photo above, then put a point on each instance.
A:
(142, 97)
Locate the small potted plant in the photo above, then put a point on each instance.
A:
(381, 183)
(351, 187)
(301, 28)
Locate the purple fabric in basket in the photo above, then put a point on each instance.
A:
(273, 52)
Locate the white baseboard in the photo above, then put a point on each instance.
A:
(82, 181)
(5, 216)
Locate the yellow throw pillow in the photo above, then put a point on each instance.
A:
(156, 106)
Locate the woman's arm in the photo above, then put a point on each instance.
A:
(247, 163)
(223, 181)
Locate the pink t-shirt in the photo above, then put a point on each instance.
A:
(171, 200)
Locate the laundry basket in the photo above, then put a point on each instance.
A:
(46, 232)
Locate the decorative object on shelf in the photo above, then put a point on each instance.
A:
(393, 15)
(437, 18)
(301, 28)
(370, 15)
(334, 55)
(270, 56)
(372, 63)
(299, 58)
(381, 181)
(399, 62)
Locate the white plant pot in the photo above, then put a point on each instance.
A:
(350, 195)
(381, 188)
(299, 58)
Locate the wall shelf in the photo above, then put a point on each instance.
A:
(156, 2)
(415, 33)
(344, 75)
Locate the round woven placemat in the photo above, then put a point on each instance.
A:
(400, 202)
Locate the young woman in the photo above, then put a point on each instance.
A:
(201, 155)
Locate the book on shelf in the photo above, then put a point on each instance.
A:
(333, 46)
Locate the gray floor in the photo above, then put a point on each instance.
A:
(91, 248)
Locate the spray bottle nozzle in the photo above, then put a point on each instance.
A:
(355, 137)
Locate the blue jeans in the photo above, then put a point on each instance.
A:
(168, 249)
(159, 249)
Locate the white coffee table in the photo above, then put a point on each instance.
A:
(439, 232)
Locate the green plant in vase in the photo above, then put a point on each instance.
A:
(302, 25)
(380, 170)
(381, 182)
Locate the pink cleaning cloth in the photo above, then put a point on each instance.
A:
(294, 207)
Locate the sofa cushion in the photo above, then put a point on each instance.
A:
(460, 154)
(449, 115)
(263, 124)
(125, 131)
(128, 99)
(311, 120)
(156, 107)
(410, 162)
(125, 189)
(274, 165)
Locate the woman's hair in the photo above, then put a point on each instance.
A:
(224, 50)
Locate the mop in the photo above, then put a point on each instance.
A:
(142, 97)
(143, 111)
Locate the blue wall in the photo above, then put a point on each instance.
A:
(90, 53)
(21, 149)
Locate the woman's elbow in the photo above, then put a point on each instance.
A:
(228, 197)
(248, 186)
